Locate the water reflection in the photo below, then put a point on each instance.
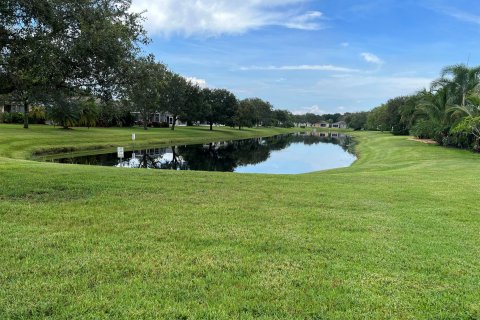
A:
(292, 153)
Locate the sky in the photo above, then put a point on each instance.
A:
(320, 56)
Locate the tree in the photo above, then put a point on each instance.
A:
(283, 118)
(263, 112)
(64, 111)
(471, 108)
(193, 104)
(460, 80)
(433, 115)
(312, 118)
(394, 109)
(245, 114)
(299, 119)
(377, 119)
(88, 113)
(219, 106)
(37, 114)
(54, 47)
(145, 89)
(357, 120)
(175, 96)
(470, 126)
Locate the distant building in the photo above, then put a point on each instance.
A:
(336, 125)
(11, 107)
(322, 124)
(159, 117)
(339, 125)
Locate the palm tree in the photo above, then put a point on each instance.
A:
(471, 108)
(460, 80)
(433, 114)
(88, 113)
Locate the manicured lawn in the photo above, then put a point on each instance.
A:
(395, 236)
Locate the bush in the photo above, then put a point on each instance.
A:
(37, 115)
(425, 129)
(127, 119)
(158, 124)
(64, 113)
(12, 117)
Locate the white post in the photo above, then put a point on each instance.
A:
(120, 154)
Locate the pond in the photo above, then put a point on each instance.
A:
(283, 154)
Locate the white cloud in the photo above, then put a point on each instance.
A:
(216, 17)
(371, 58)
(313, 109)
(463, 16)
(202, 83)
(345, 44)
(304, 67)
(456, 13)
(307, 21)
(360, 87)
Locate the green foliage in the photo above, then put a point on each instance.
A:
(52, 46)
(470, 126)
(219, 107)
(245, 114)
(428, 129)
(357, 120)
(283, 118)
(37, 115)
(460, 81)
(64, 112)
(146, 89)
(377, 119)
(11, 117)
(444, 114)
(194, 100)
(88, 113)
(126, 119)
(175, 94)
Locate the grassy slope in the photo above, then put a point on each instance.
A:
(394, 236)
(18, 143)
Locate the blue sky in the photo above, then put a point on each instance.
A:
(320, 56)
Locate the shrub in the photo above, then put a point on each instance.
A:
(158, 124)
(37, 115)
(64, 113)
(127, 119)
(12, 117)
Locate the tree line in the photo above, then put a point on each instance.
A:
(448, 112)
(80, 63)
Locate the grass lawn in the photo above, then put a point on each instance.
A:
(395, 236)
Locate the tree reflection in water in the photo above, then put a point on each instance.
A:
(215, 156)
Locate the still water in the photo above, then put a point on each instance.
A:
(282, 154)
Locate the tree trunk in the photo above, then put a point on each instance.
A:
(26, 111)
(174, 121)
(211, 125)
(145, 122)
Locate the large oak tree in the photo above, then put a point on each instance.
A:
(48, 46)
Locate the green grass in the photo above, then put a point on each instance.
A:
(18, 143)
(395, 236)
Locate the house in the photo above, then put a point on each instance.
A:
(339, 125)
(11, 107)
(159, 117)
(322, 124)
